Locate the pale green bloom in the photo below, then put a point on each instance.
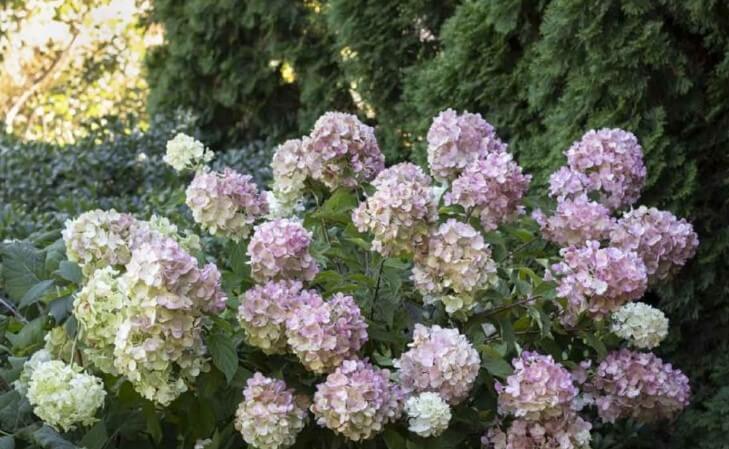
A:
(185, 152)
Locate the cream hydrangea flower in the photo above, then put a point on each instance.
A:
(64, 396)
(643, 326)
(30, 365)
(185, 152)
(428, 414)
(289, 176)
(99, 309)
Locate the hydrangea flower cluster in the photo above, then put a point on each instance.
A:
(457, 264)
(492, 187)
(63, 396)
(97, 239)
(99, 309)
(289, 174)
(568, 431)
(263, 313)
(226, 203)
(271, 415)
(575, 221)
(279, 249)
(567, 183)
(357, 400)
(663, 241)
(538, 388)
(428, 414)
(400, 212)
(612, 160)
(643, 326)
(158, 226)
(640, 386)
(598, 280)
(441, 361)
(159, 344)
(342, 151)
(185, 152)
(455, 141)
(30, 365)
(323, 334)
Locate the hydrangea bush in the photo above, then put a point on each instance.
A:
(352, 305)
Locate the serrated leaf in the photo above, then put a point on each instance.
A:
(60, 308)
(496, 366)
(23, 266)
(31, 334)
(70, 271)
(224, 354)
(96, 437)
(48, 438)
(595, 343)
(35, 293)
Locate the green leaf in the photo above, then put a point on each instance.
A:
(393, 440)
(154, 427)
(338, 207)
(496, 366)
(60, 308)
(23, 266)
(96, 437)
(7, 442)
(48, 438)
(70, 271)
(31, 334)
(595, 343)
(35, 293)
(224, 354)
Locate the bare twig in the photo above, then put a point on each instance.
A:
(12, 310)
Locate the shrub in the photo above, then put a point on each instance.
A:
(481, 335)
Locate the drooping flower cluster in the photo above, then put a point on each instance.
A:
(492, 187)
(400, 212)
(428, 414)
(663, 241)
(226, 203)
(289, 174)
(99, 309)
(97, 239)
(63, 396)
(322, 334)
(159, 344)
(357, 400)
(567, 431)
(185, 152)
(279, 249)
(612, 161)
(456, 264)
(597, 280)
(263, 313)
(538, 388)
(30, 365)
(455, 141)
(643, 326)
(639, 386)
(270, 415)
(575, 221)
(342, 151)
(441, 361)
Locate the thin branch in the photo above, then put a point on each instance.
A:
(12, 310)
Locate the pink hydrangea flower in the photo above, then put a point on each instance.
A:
(638, 385)
(323, 334)
(400, 212)
(226, 203)
(357, 400)
(263, 312)
(441, 361)
(598, 280)
(457, 262)
(612, 160)
(271, 415)
(455, 141)
(538, 388)
(663, 241)
(279, 249)
(576, 220)
(493, 187)
(342, 151)
(567, 431)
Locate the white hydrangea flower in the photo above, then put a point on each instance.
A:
(202, 444)
(64, 396)
(643, 326)
(30, 365)
(428, 414)
(289, 176)
(184, 152)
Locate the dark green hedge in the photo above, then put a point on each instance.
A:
(543, 71)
